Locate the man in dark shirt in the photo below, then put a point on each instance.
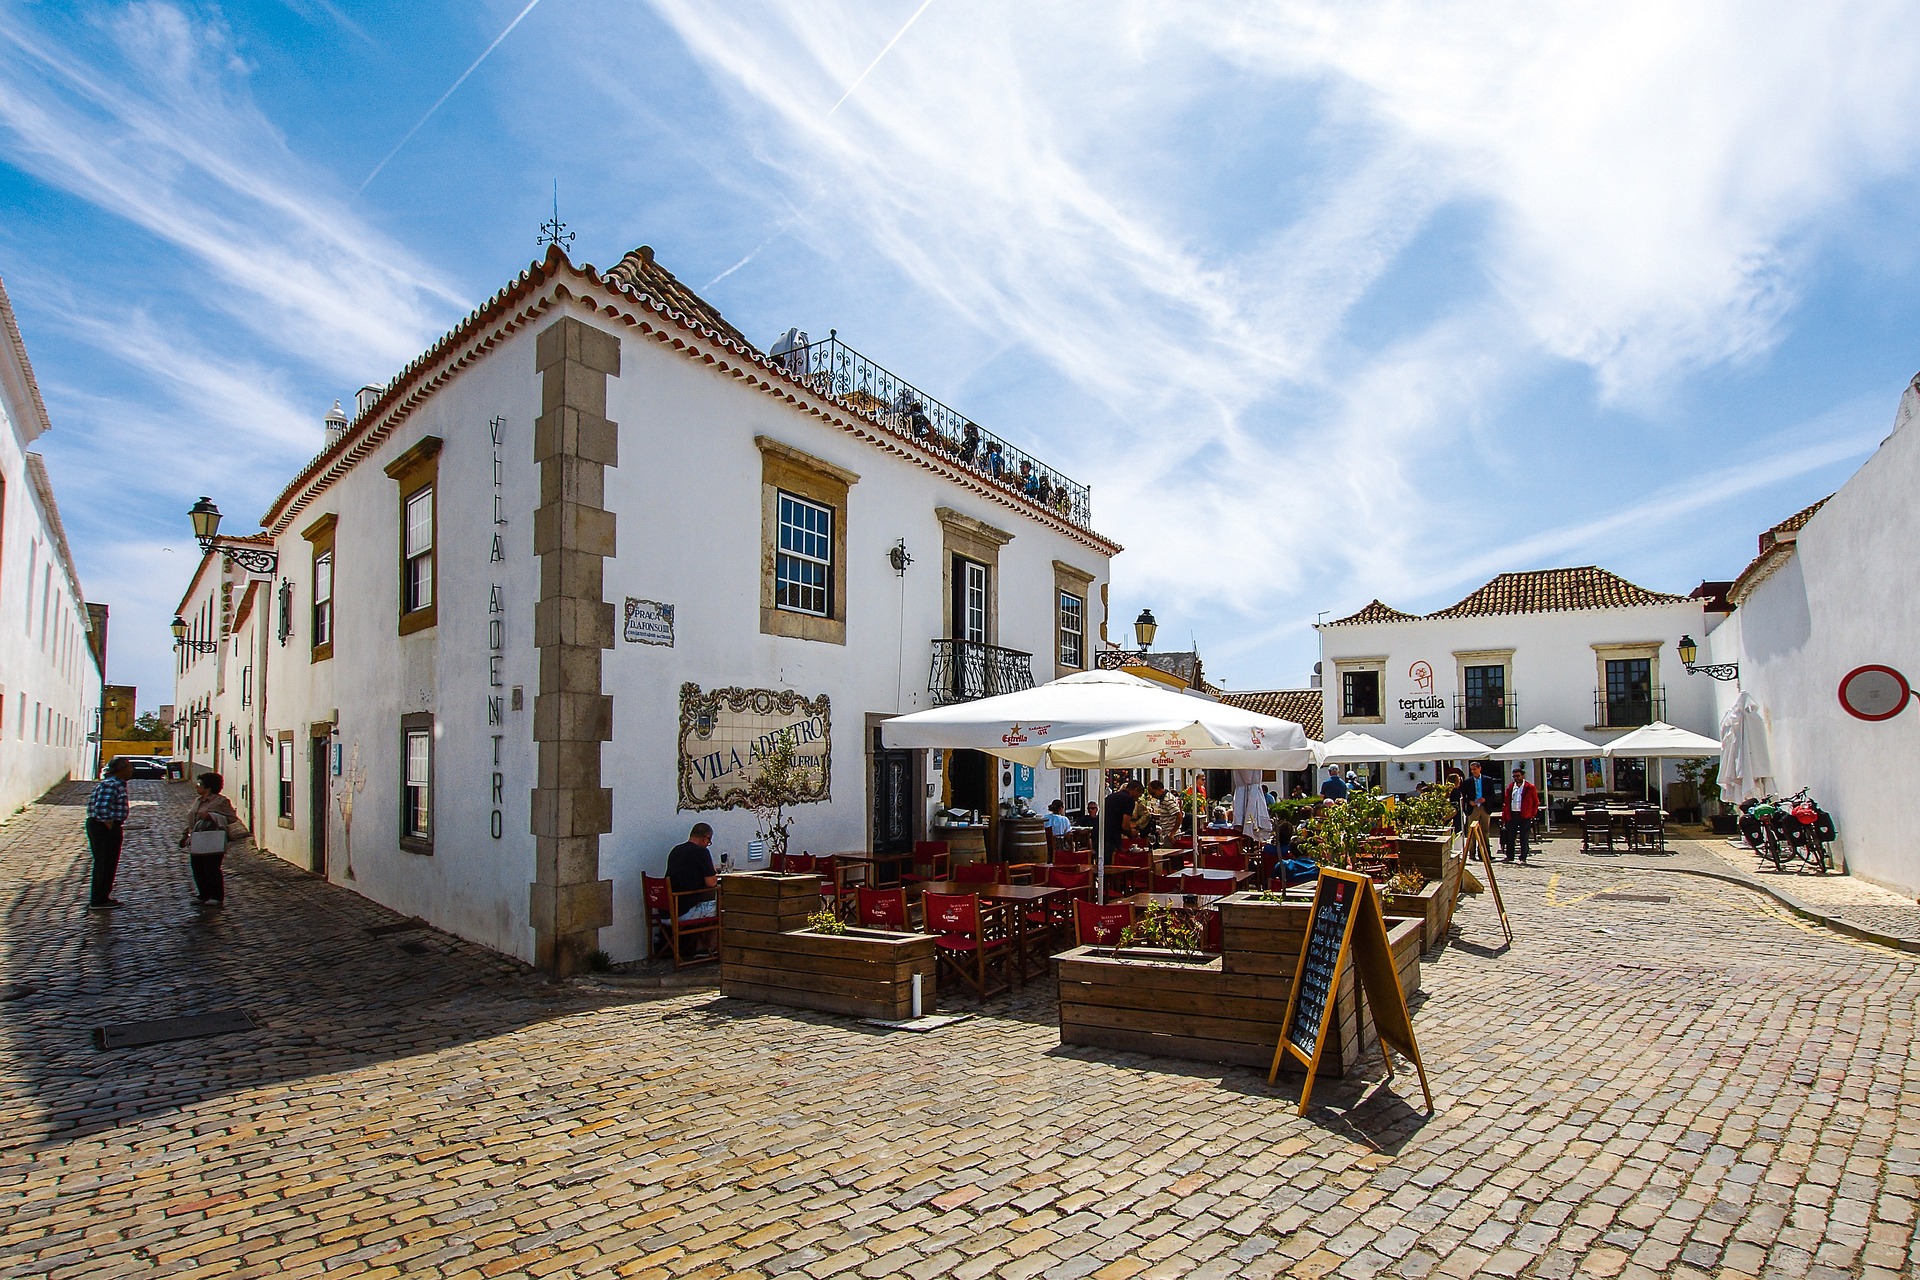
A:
(1117, 813)
(1335, 787)
(690, 872)
(106, 825)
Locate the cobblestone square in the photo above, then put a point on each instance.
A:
(1707, 1086)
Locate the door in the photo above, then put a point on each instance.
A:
(892, 794)
(319, 794)
(969, 600)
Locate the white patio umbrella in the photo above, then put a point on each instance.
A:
(1662, 741)
(1357, 748)
(1102, 720)
(1443, 744)
(1746, 765)
(1544, 742)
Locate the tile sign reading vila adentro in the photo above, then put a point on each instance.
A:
(725, 733)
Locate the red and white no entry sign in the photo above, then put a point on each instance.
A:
(1874, 692)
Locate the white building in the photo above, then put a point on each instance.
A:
(1580, 649)
(559, 581)
(1834, 588)
(216, 725)
(52, 644)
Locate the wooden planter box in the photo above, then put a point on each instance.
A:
(1424, 906)
(767, 953)
(1441, 858)
(1226, 1009)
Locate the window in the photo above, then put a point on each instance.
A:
(1629, 693)
(1360, 695)
(1630, 775)
(286, 779)
(323, 602)
(803, 562)
(416, 783)
(1073, 790)
(1485, 697)
(417, 551)
(1073, 630)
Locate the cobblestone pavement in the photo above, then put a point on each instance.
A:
(1845, 898)
(1704, 1086)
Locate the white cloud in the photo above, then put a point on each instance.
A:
(158, 128)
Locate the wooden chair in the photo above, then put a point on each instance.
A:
(1223, 859)
(1069, 854)
(1216, 886)
(970, 941)
(1098, 926)
(1167, 884)
(1596, 828)
(935, 856)
(666, 931)
(980, 873)
(1648, 830)
(882, 909)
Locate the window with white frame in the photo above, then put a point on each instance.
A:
(803, 560)
(1073, 630)
(417, 550)
(286, 779)
(416, 782)
(323, 595)
(1073, 790)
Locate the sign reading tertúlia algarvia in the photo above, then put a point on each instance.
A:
(726, 733)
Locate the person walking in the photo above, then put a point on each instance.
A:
(212, 815)
(1519, 805)
(106, 827)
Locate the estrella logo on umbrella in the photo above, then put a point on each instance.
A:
(1015, 735)
(1259, 736)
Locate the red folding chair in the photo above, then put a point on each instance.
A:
(980, 873)
(882, 908)
(1098, 926)
(1169, 884)
(666, 931)
(1223, 860)
(1216, 886)
(935, 857)
(970, 942)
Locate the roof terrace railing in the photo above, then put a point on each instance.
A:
(834, 369)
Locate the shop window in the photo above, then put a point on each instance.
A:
(416, 783)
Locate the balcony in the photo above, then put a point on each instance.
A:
(966, 669)
(834, 369)
(1485, 712)
(1636, 708)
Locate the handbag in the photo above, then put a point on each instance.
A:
(199, 842)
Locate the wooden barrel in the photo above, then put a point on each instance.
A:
(1023, 840)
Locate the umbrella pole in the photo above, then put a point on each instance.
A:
(1100, 832)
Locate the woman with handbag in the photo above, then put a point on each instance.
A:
(205, 839)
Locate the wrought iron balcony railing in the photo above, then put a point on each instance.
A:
(966, 669)
(834, 369)
(1496, 711)
(1640, 707)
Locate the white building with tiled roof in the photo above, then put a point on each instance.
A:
(1581, 649)
(543, 603)
(51, 641)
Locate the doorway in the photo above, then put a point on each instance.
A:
(970, 780)
(891, 790)
(319, 776)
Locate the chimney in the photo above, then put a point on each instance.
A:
(364, 401)
(336, 423)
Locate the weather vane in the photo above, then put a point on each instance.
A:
(555, 232)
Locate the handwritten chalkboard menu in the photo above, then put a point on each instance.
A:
(1313, 988)
(1347, 924)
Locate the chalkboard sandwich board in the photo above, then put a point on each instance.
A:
(1346, 924)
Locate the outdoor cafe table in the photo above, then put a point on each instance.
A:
(1015, 897)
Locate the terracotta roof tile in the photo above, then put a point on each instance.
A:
(1776, 544)
(1374, 612)
(1554, 591)
(638, 270)
(1302, 706)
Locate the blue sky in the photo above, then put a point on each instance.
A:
(1326, 301)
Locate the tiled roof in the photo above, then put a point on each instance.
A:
(1776, 544)
(1374, 612)
(638, 270)
(1554, 591)
(1302, 706)
(1791, 525)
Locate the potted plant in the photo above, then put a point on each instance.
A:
(781, 783)
(1164, 933)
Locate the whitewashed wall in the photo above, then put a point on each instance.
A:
(1554, 672)
(49, 681)
(1845, 598)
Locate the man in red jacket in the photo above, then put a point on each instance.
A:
(1519, 806)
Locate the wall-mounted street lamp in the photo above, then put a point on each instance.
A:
(1718, 670)
(1144, 629)
(180, 640)
(206, 528)
(898, 557)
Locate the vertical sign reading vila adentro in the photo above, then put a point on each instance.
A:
(497, 630)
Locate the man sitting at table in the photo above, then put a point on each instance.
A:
(690, 872)
(1519, 805)
(1116, 814)
(1156, 818)
(1056, 822)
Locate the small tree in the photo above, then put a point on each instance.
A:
(147, 727)
(780, 783)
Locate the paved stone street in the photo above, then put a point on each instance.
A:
(1701, 1086)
